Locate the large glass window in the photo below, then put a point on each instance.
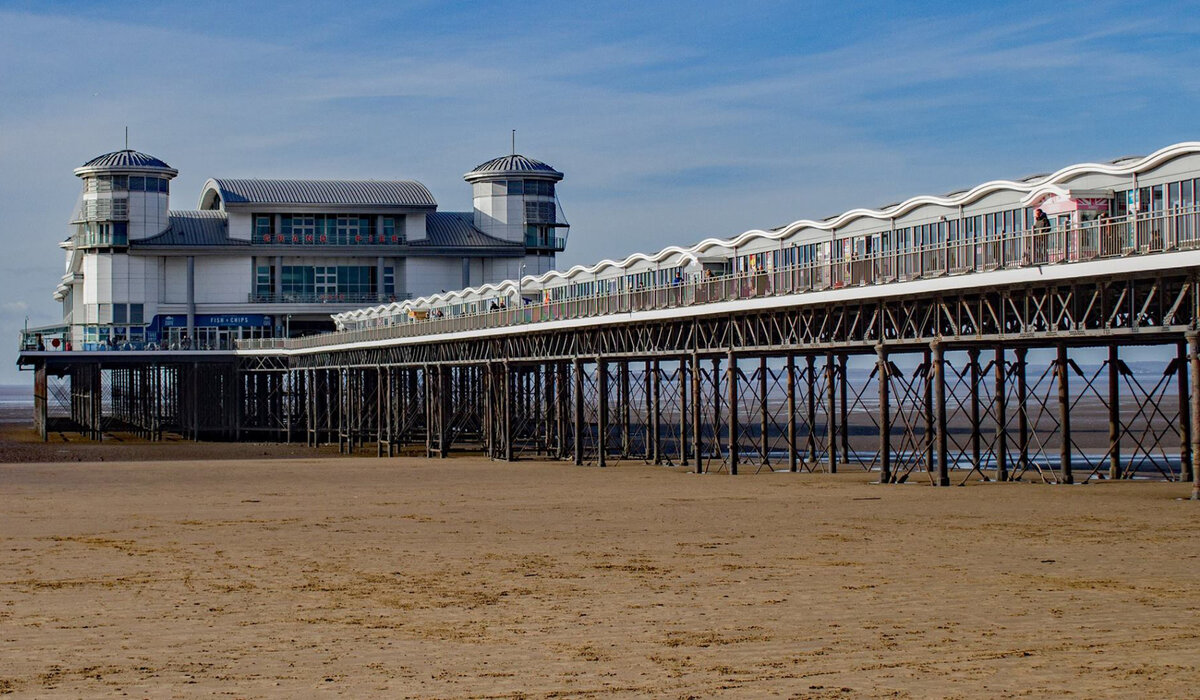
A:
(328, 229)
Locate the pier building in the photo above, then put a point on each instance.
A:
(1042, 328)
(275, 258)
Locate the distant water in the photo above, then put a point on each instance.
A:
(16, 403)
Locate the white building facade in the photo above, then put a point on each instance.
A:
(271, 258)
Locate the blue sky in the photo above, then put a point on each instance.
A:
(672, 121)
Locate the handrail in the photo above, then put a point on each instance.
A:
(1140, 234)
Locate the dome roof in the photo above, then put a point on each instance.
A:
(125, 159)
(515, 164)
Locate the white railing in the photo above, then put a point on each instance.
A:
(1135, 235)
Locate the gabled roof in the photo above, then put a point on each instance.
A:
(454, 229)
(383, 193)
(193, 228)
(515, 164)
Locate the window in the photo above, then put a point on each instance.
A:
(539, 212)
(516, 187)
(120, 208)
(264, 279)
(137, 183)
(120, 313)
(137, 313)
(389, 280)
(264, 227)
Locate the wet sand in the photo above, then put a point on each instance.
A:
(465, 578)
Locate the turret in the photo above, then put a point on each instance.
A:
(515, 200)
(125, 197)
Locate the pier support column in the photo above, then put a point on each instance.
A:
(683, 412)
(577, 437)
(697, 416)
(1001, 417)
(655, 412)
(623, 405)
(716, 424)
(810, 378)
(939, 408)
(733, 412)
(39, 401)
(601, 411)
(1193, 339)
(1114, 412)
(791, 409)
(1185, 418)
(1064, 415)
(976, 429)
(506, 426)
(831, 411)
(764, 415)
(1022, 410)
(883, 374)
(844, 414)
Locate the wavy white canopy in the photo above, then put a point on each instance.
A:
(1032, 189)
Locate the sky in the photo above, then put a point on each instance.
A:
(672, 121)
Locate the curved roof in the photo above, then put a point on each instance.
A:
(125, 159)
(454, 229)
(384, 193)
(515, 164)
(193, 228)
(1029, 188)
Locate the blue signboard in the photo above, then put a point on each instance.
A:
(211, 321)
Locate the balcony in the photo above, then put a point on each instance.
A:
(540, 242)
(360, 298)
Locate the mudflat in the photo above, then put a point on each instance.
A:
(314, 577)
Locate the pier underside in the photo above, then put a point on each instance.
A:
(1058, 382)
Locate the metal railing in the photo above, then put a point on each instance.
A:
(1143, 234)
(335, 298)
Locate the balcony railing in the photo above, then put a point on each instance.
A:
(1140, 235)
(334, 298)
(556, 243)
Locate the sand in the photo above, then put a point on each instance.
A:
(323, 577)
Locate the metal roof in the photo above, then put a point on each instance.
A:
(453, 229)
(193, 228)
(126, 159)
(385, 193)
(515, 164)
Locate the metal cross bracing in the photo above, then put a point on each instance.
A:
(993, 384)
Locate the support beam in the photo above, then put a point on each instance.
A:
(831, 411)
(733, 412)
(1001, 403)
(1193, 339)
(1185, 419)
(697, 416)
(793, 464)
(1114, 413)
(883, 374)
(577, 367)
(1022, 410)
(939, 407)
(976, 428)
(601, 411)
(1064, 415)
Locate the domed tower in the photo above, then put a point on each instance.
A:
(125, 198)
(515, 200)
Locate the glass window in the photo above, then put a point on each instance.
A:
(137, 313)
(516, 187)
(120, 313)
(120, 182)
(164, 185)
(137, 183)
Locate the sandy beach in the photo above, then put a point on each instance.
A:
(359, 577)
